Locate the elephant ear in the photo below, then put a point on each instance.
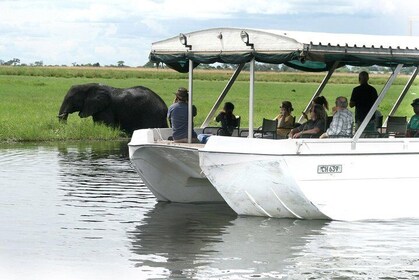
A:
(97, 99)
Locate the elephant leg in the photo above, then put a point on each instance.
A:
(105, 117)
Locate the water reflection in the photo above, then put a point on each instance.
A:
(82, 210)
(359, 250)
(98, 179)
(68, 206)
(210, 242)
(178, 237)
(254, 247)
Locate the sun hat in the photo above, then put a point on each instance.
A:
(182, 94)
(415, 102)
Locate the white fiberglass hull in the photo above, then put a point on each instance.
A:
(171, 171)
(316, 178)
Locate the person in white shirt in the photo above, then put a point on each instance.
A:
(342, 122)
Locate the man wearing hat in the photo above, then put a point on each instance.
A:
(413, 126)
(178, 117)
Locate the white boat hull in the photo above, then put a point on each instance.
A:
(316, 179)
(171, 171)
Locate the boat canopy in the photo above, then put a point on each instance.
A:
(307, 51)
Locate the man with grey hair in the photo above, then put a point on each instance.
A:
(341, 125)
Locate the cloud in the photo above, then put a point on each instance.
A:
(88, 31)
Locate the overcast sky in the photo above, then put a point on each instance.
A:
(89, 31)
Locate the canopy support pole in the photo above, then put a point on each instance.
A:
(251, 97)
(190, 115)
(375, 105)
(320, 88)
(222, 95)
(402, 94)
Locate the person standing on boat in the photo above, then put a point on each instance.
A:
(362, 98)
(314, 127)
(413, 125)
(178, 117)
(341, 125)
(285, 120)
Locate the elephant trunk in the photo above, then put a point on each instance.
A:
(63, 117)
(63, 113)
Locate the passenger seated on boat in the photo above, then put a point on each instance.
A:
(314, 127)
(342, 122)
(285, 120)
(413, 125)
(178, 117)
(228, 123)
(227, 119)
(321, 100)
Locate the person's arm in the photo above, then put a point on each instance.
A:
(169, 116)
(297, 130)
(314, 130)
(336, 126)
(219, 117)
(352, 102)
(235, 120)
(318, 127)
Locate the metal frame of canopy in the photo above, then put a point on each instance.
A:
(239, 46)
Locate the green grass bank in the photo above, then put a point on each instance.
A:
(30, 97)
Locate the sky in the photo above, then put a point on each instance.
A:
(63, 32)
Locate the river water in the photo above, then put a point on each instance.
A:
(79, 211)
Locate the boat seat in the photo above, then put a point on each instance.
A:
(396, 126)
(267, 130)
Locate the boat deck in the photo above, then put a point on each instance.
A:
(188, 145)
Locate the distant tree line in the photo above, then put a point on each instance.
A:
(283, 68)
(17, 62)
(219, 66)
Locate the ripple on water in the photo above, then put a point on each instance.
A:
(82, 210)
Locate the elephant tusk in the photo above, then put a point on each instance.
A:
(63, 117)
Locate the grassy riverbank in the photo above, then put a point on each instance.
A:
(31, 96)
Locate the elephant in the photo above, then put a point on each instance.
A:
(125, 108)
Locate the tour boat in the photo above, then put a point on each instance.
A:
(343, 179)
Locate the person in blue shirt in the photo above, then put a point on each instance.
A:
(178, 117)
